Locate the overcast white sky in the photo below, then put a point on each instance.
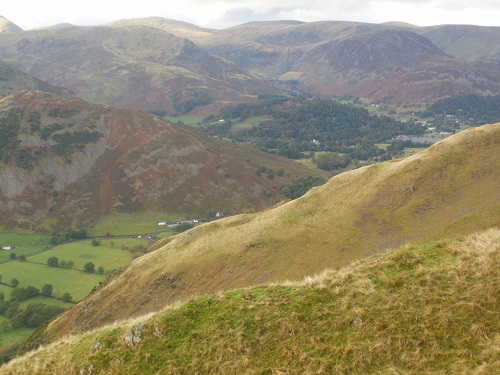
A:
(219, 14)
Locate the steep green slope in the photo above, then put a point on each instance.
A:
(448, 190)
(426, 309)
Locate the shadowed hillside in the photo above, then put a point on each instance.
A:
(424, 309)
(69, 162)
(13, 80)
(448, 190)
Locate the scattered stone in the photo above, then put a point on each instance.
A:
(357, 323)
(87, 371)
(157, 332)
(96, 347)
(134, 336)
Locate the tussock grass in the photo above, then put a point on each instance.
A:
(418, 309)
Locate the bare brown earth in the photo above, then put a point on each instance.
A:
(137, 163)
(448, 190)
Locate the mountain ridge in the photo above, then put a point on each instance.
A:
(448, 190)
(105, 64)
(7, 26)
(130, 161)
(412, 309)
(219, 67)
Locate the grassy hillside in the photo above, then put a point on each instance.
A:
(448, 190)
(420, 309)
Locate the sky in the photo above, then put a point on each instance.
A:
(219, 14)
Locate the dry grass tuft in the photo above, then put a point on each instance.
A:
(426, 309)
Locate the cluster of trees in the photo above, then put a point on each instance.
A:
(9, 123)
(21, 294)
(13, 256)
(68, 142)
(198, 98)
(270, 172)
(300, 187)
(301, 125)
(25, 157)
(89, 267)
(245, 110)
(33, 316)
(69, 234)
(331, 161)
(54, 262)
(483, 109)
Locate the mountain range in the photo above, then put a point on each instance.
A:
(166, 65)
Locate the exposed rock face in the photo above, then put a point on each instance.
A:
(68, 162)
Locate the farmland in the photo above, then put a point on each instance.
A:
(68, 277)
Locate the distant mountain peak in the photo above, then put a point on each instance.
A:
(7, 26)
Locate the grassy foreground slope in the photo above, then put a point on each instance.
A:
(414, 310)
(446, 191)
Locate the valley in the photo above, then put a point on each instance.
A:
(272, 197)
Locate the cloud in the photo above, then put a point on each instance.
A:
(223, 13)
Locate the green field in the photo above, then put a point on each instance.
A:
(46, 301)
(4, 288)
(76, 283)
(248, 123)
(22, 243)
(14, 336)
(110, 255)
(128, 224)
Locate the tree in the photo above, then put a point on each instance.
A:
(331, 161)
(53, 262)
(31, 291)
(100, 270)
(47, 290)
(182, 227)
(14, 282)
(66, 297)
(12, 256)
(95, 242)
(22, 258)
(70, 264)
(89, 267)
(18, 294)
